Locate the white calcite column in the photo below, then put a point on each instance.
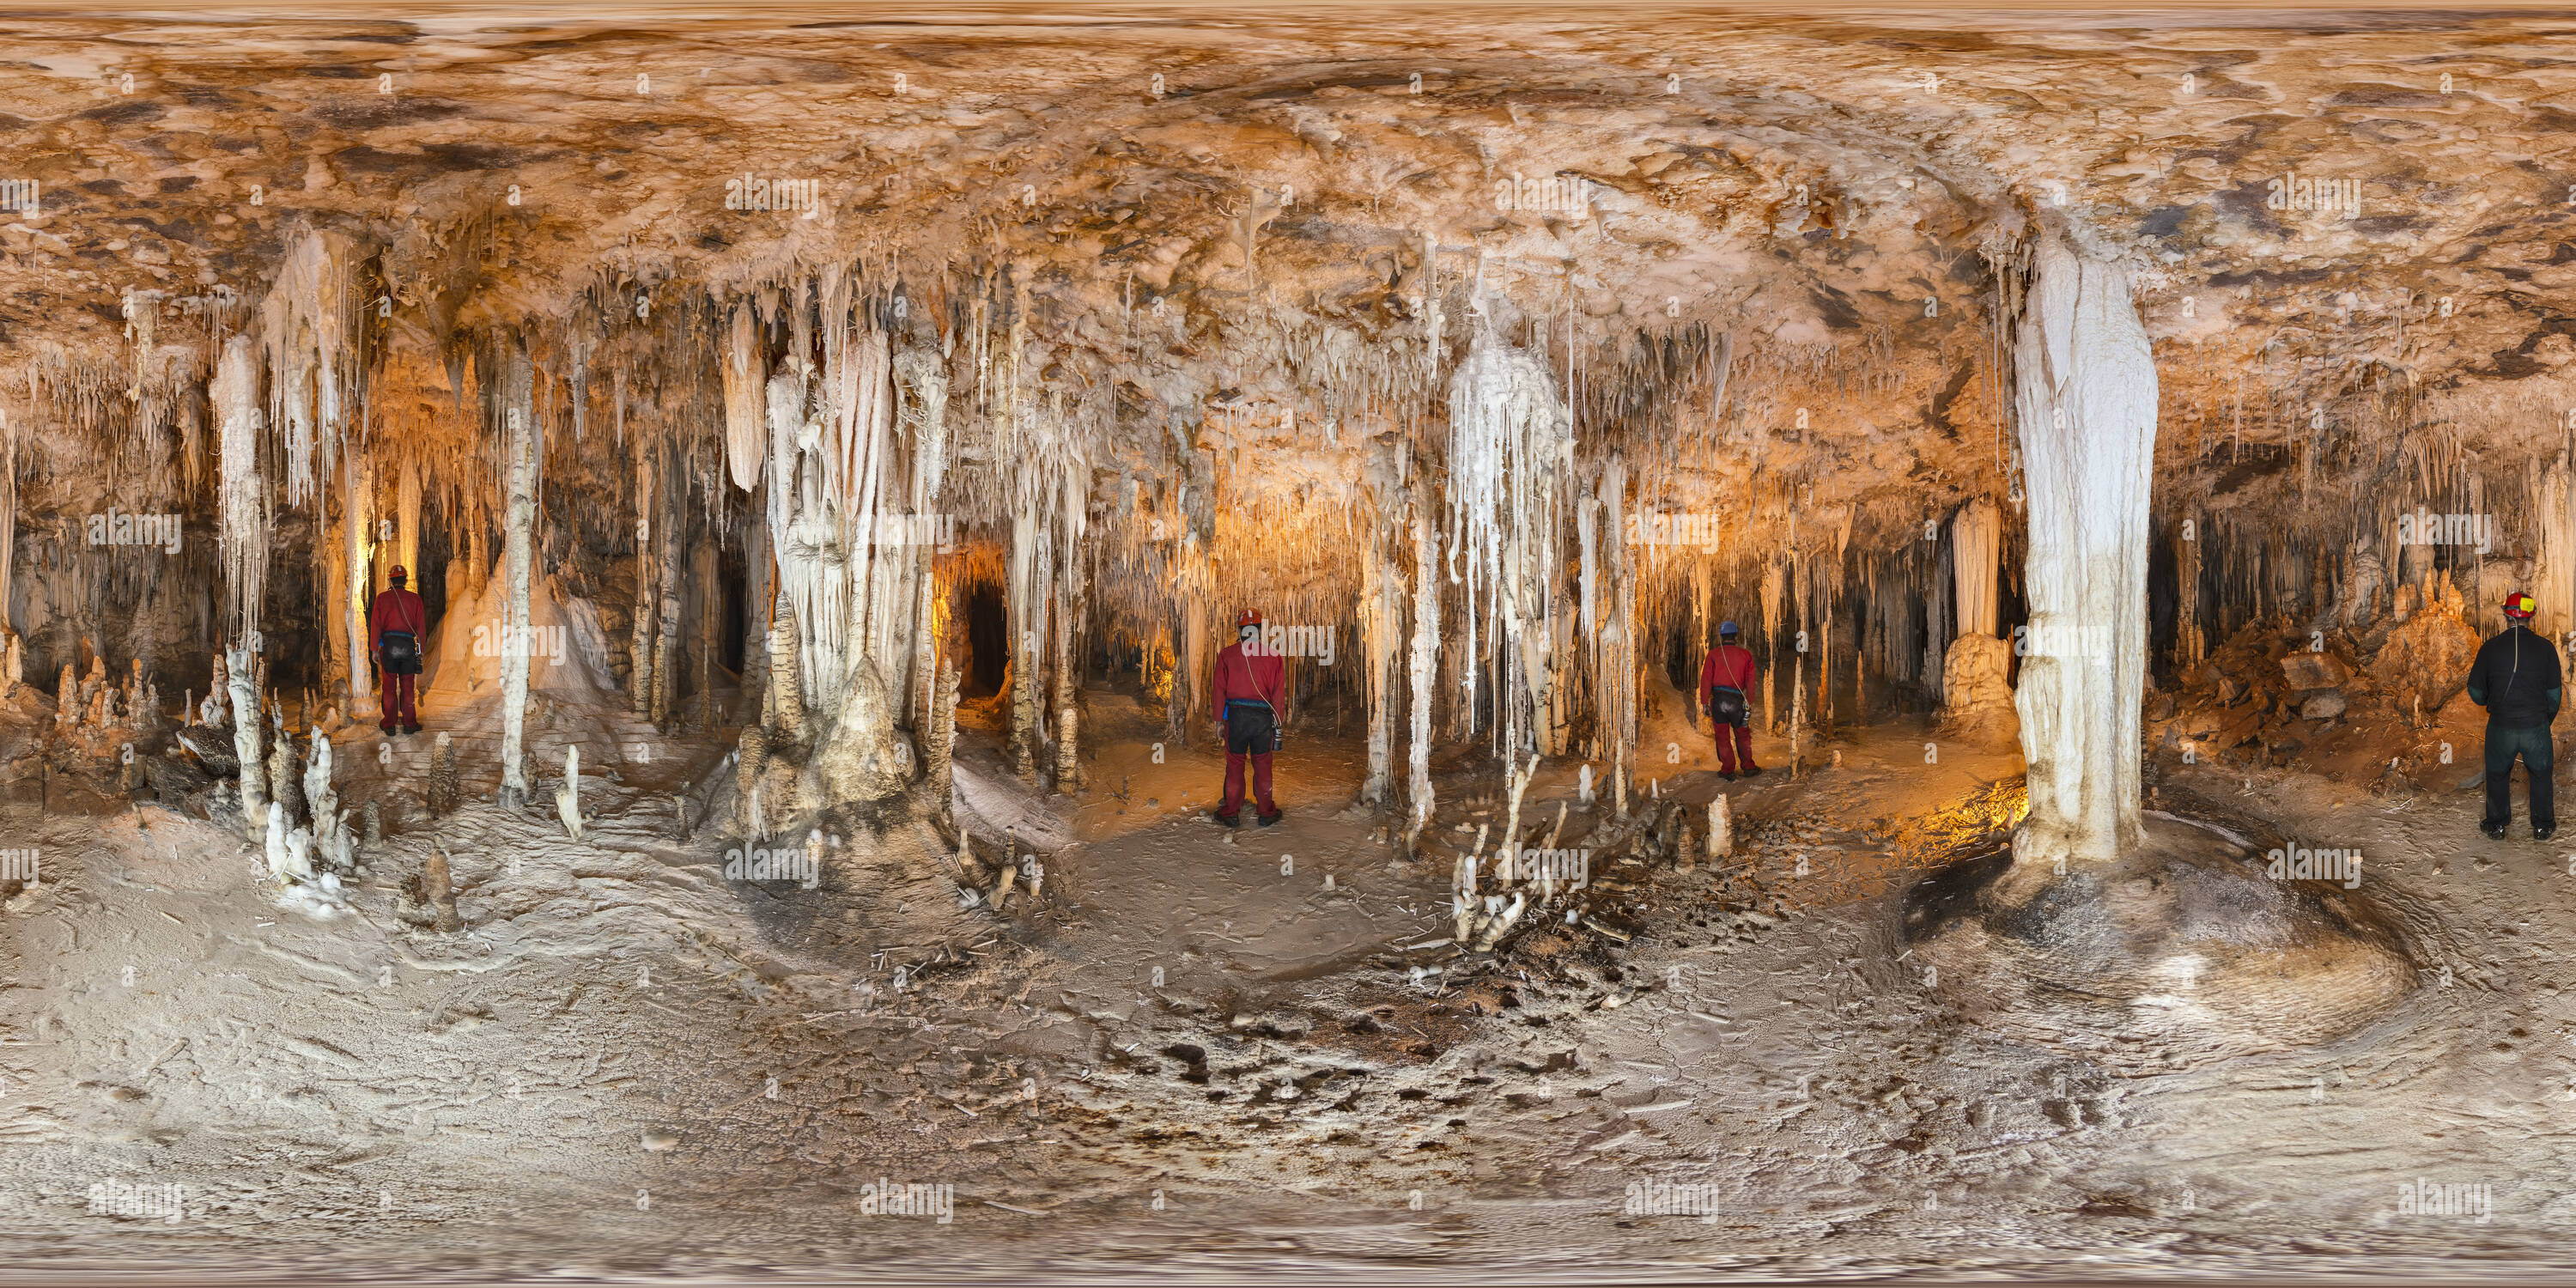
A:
(2085, 397)
(518, 430)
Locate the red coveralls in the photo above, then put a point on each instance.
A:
(1733, 666)
(396, 610)
(1257, 677)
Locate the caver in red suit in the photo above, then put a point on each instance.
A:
(397, 627)
(1250, 691)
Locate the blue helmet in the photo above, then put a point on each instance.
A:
(1726, 628)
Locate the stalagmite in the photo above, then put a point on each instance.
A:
(751, 758)
(247, 724)
(331, 837)
(665, 690)
(568, 796)
(1721, 829)
(2085, 407)
(702, 641)
(640, 685)
(1026, 619)
(1976, 696)
(519, 457)
(443, 785)
(286, 779)
(438, 890)
(2190, 643)
(1426, 615)
(940, 739)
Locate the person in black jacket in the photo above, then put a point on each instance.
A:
(2516, 679)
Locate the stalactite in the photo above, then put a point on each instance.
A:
(744, 374)
(243, 511)
(1510, 442)
(307, 328)
(406, 534)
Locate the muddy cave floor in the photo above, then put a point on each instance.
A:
(583, 1080)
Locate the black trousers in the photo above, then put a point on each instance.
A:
(2532, 745)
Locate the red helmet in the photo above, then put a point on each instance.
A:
(1251, 617)
(2519, 605)
(399, 575)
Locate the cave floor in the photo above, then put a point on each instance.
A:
(583, 1080)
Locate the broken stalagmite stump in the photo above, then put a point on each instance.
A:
(442, 777)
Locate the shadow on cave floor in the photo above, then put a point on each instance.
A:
(586, 1076)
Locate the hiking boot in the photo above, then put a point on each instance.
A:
(1271, 817)
(2543, 831)
(2495, 830)
(1727, 774)
(409, 729)
(1752, 770)
(1228, 819)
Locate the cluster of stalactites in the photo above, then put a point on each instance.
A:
(1511, 452)
(307, 328)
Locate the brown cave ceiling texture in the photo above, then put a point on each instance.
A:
(1761, 248)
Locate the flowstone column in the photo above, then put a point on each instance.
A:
(2085, 399)
(518, 432)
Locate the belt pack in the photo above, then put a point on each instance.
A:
(402, 653)
(1726, 704)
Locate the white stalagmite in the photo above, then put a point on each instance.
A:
(331, 834)
(2085, 403)
(568, 796)
(1721, 828)
(240, 686)
(1426, 618)
(285, 860)
(518, 445)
